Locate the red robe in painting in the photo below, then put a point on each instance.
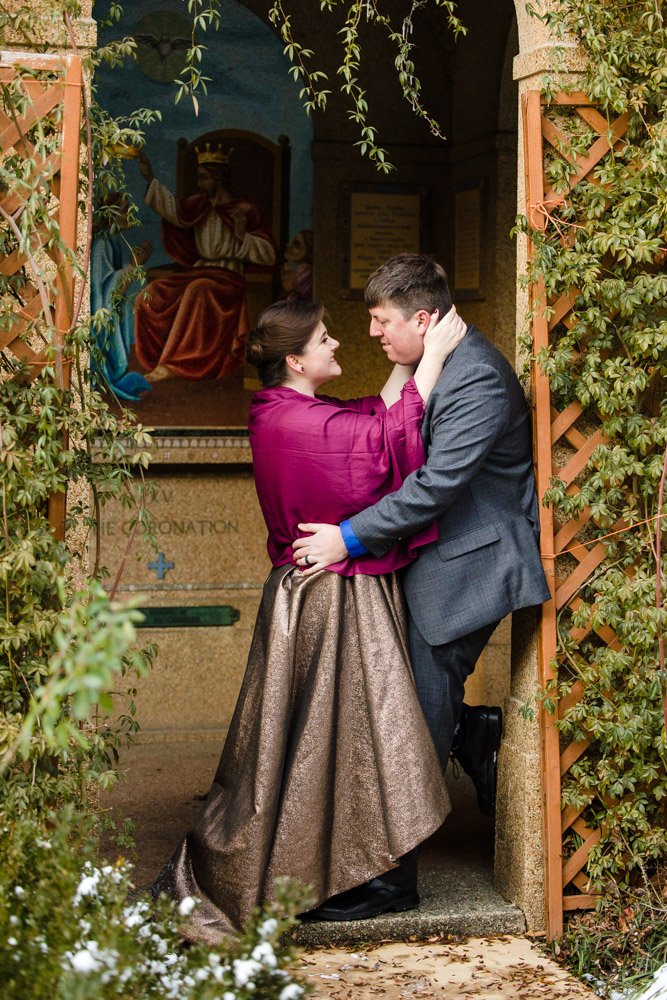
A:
(195, 321)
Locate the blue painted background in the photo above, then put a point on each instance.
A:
(250, 89)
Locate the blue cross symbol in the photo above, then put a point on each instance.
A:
(160, 566)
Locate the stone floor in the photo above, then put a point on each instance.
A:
(464, 941)
(164, 792)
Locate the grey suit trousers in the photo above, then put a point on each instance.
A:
(440, 675)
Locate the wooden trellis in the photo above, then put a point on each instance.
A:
(52, 85)
(562, 451)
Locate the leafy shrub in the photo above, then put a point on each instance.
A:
(619, 945)
(72, 929)
(603, 249)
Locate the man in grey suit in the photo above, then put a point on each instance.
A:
(477, 482)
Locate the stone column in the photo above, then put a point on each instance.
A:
(519, 824)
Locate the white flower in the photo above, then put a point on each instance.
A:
(84, 961)
(268, 928)
(132, 919)
(19, 891)
(244, 970)
(12, 942)
(86, 887)
(291, 992)
(186, 906)
(228, 995)
(13, 920)
(264, 953)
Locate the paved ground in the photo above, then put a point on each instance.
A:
(493, 968)
(167, 784)
(464, 940)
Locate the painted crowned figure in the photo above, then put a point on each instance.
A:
(193, 322)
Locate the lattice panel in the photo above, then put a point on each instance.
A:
(49, 92)
(51, 88)
(564, 441)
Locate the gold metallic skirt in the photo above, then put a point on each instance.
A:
(328, 773)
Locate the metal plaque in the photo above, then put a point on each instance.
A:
(189, 616)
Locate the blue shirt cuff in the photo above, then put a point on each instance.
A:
(352, 543)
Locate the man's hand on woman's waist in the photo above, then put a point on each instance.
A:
(321, 548)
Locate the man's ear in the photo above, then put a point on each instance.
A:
(423, 318)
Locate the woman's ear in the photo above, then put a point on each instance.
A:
(294, 364)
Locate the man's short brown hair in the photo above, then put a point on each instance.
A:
(410, 281)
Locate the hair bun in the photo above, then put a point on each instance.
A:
(282, 329)
(254, 351)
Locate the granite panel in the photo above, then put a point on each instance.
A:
(211, 549)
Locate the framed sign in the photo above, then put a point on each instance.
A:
(468, 255)
(380, 220)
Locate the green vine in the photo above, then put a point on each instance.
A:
(399, 30)
(62, 649)
(607, 242)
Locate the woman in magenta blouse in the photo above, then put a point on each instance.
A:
(328, 773)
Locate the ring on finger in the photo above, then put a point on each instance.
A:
(308, 561)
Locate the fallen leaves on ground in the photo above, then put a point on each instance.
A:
(493, 968)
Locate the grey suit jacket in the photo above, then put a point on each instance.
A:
(478, 484)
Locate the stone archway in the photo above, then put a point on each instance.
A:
(519, 840)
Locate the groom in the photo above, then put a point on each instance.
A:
(477, 483)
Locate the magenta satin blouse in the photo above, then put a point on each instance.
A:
(323, 459)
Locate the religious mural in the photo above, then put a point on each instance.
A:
(193, 321)
(215, 216)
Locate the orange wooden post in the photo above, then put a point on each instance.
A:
(69, 187)
(67, 220)
(532, 124)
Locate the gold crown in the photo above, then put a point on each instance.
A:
(215, 155)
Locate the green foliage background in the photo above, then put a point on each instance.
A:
(63, 651)
(608, 241)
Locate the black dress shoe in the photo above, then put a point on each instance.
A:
(478, 752)
(364, 901)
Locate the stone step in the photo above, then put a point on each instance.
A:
(456, 899)
(164, 793)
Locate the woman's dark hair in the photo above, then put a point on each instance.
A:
(284, 328)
